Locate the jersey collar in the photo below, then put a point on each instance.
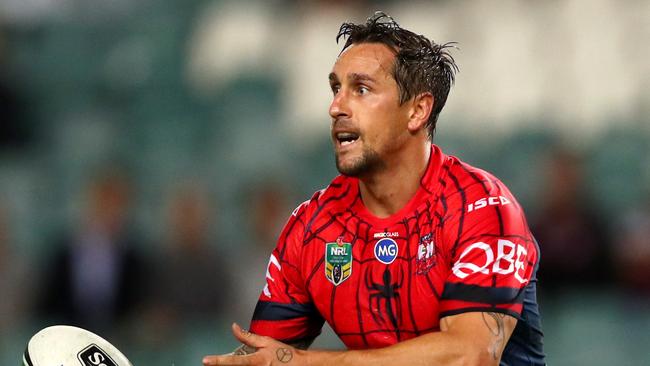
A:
(428, 188)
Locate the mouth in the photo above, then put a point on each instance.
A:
(346, 139)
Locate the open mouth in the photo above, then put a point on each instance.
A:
(346, 138)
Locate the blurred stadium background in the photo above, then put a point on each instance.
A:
(151, 150)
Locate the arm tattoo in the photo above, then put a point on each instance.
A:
(497, 330)
(284, 354)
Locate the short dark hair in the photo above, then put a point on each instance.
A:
(421, 65)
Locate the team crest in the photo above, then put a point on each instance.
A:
(426, 255)
(338, 261)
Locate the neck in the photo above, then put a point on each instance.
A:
(386, 192)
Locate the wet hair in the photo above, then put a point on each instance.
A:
(421, 65)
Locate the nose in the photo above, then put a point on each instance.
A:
(339, 106)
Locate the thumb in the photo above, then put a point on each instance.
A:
(246, 337)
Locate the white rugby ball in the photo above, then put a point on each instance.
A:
(64, 345)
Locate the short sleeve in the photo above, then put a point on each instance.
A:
(284, 310)
(491, 251)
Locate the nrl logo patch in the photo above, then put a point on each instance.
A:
(338, 261)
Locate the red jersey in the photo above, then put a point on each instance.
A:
(461, 244)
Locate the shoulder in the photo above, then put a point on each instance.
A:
(478, 204)
(338, 195)
(484, 225)
(307, 217)
(465, 176)
(474, 188)
(335, 197)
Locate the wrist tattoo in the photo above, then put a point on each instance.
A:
(497, 330)
(284, 355)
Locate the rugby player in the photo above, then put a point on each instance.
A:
(412, 256)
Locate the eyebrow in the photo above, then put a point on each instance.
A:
(360, 77)
(357, 77)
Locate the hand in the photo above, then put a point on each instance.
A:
(269, 352)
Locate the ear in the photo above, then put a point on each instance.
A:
(421, 108)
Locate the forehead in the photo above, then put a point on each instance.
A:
(368, 58)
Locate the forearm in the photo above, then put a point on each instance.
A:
(247, 350)
(469, 339)
(439, 348)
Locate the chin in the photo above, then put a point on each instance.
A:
(351, 171)
(368, 162)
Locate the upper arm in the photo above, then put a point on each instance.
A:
(285, 310)
(486, 333)
(491, 254)
(492, 258)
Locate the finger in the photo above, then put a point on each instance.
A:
(246, 337)
(244, 349)
(226, 360)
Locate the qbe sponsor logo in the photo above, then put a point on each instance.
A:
(510, 258)
(95, 356)
(275, 267)
(386, 250)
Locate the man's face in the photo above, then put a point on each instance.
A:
(368, 123)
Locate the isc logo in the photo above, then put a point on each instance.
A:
(95, 356)
(487, 201)
(510, 258)
(386, 250)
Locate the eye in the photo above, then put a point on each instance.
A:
(362, 90)
(335, 88)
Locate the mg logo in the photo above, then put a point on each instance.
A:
(386, 250)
